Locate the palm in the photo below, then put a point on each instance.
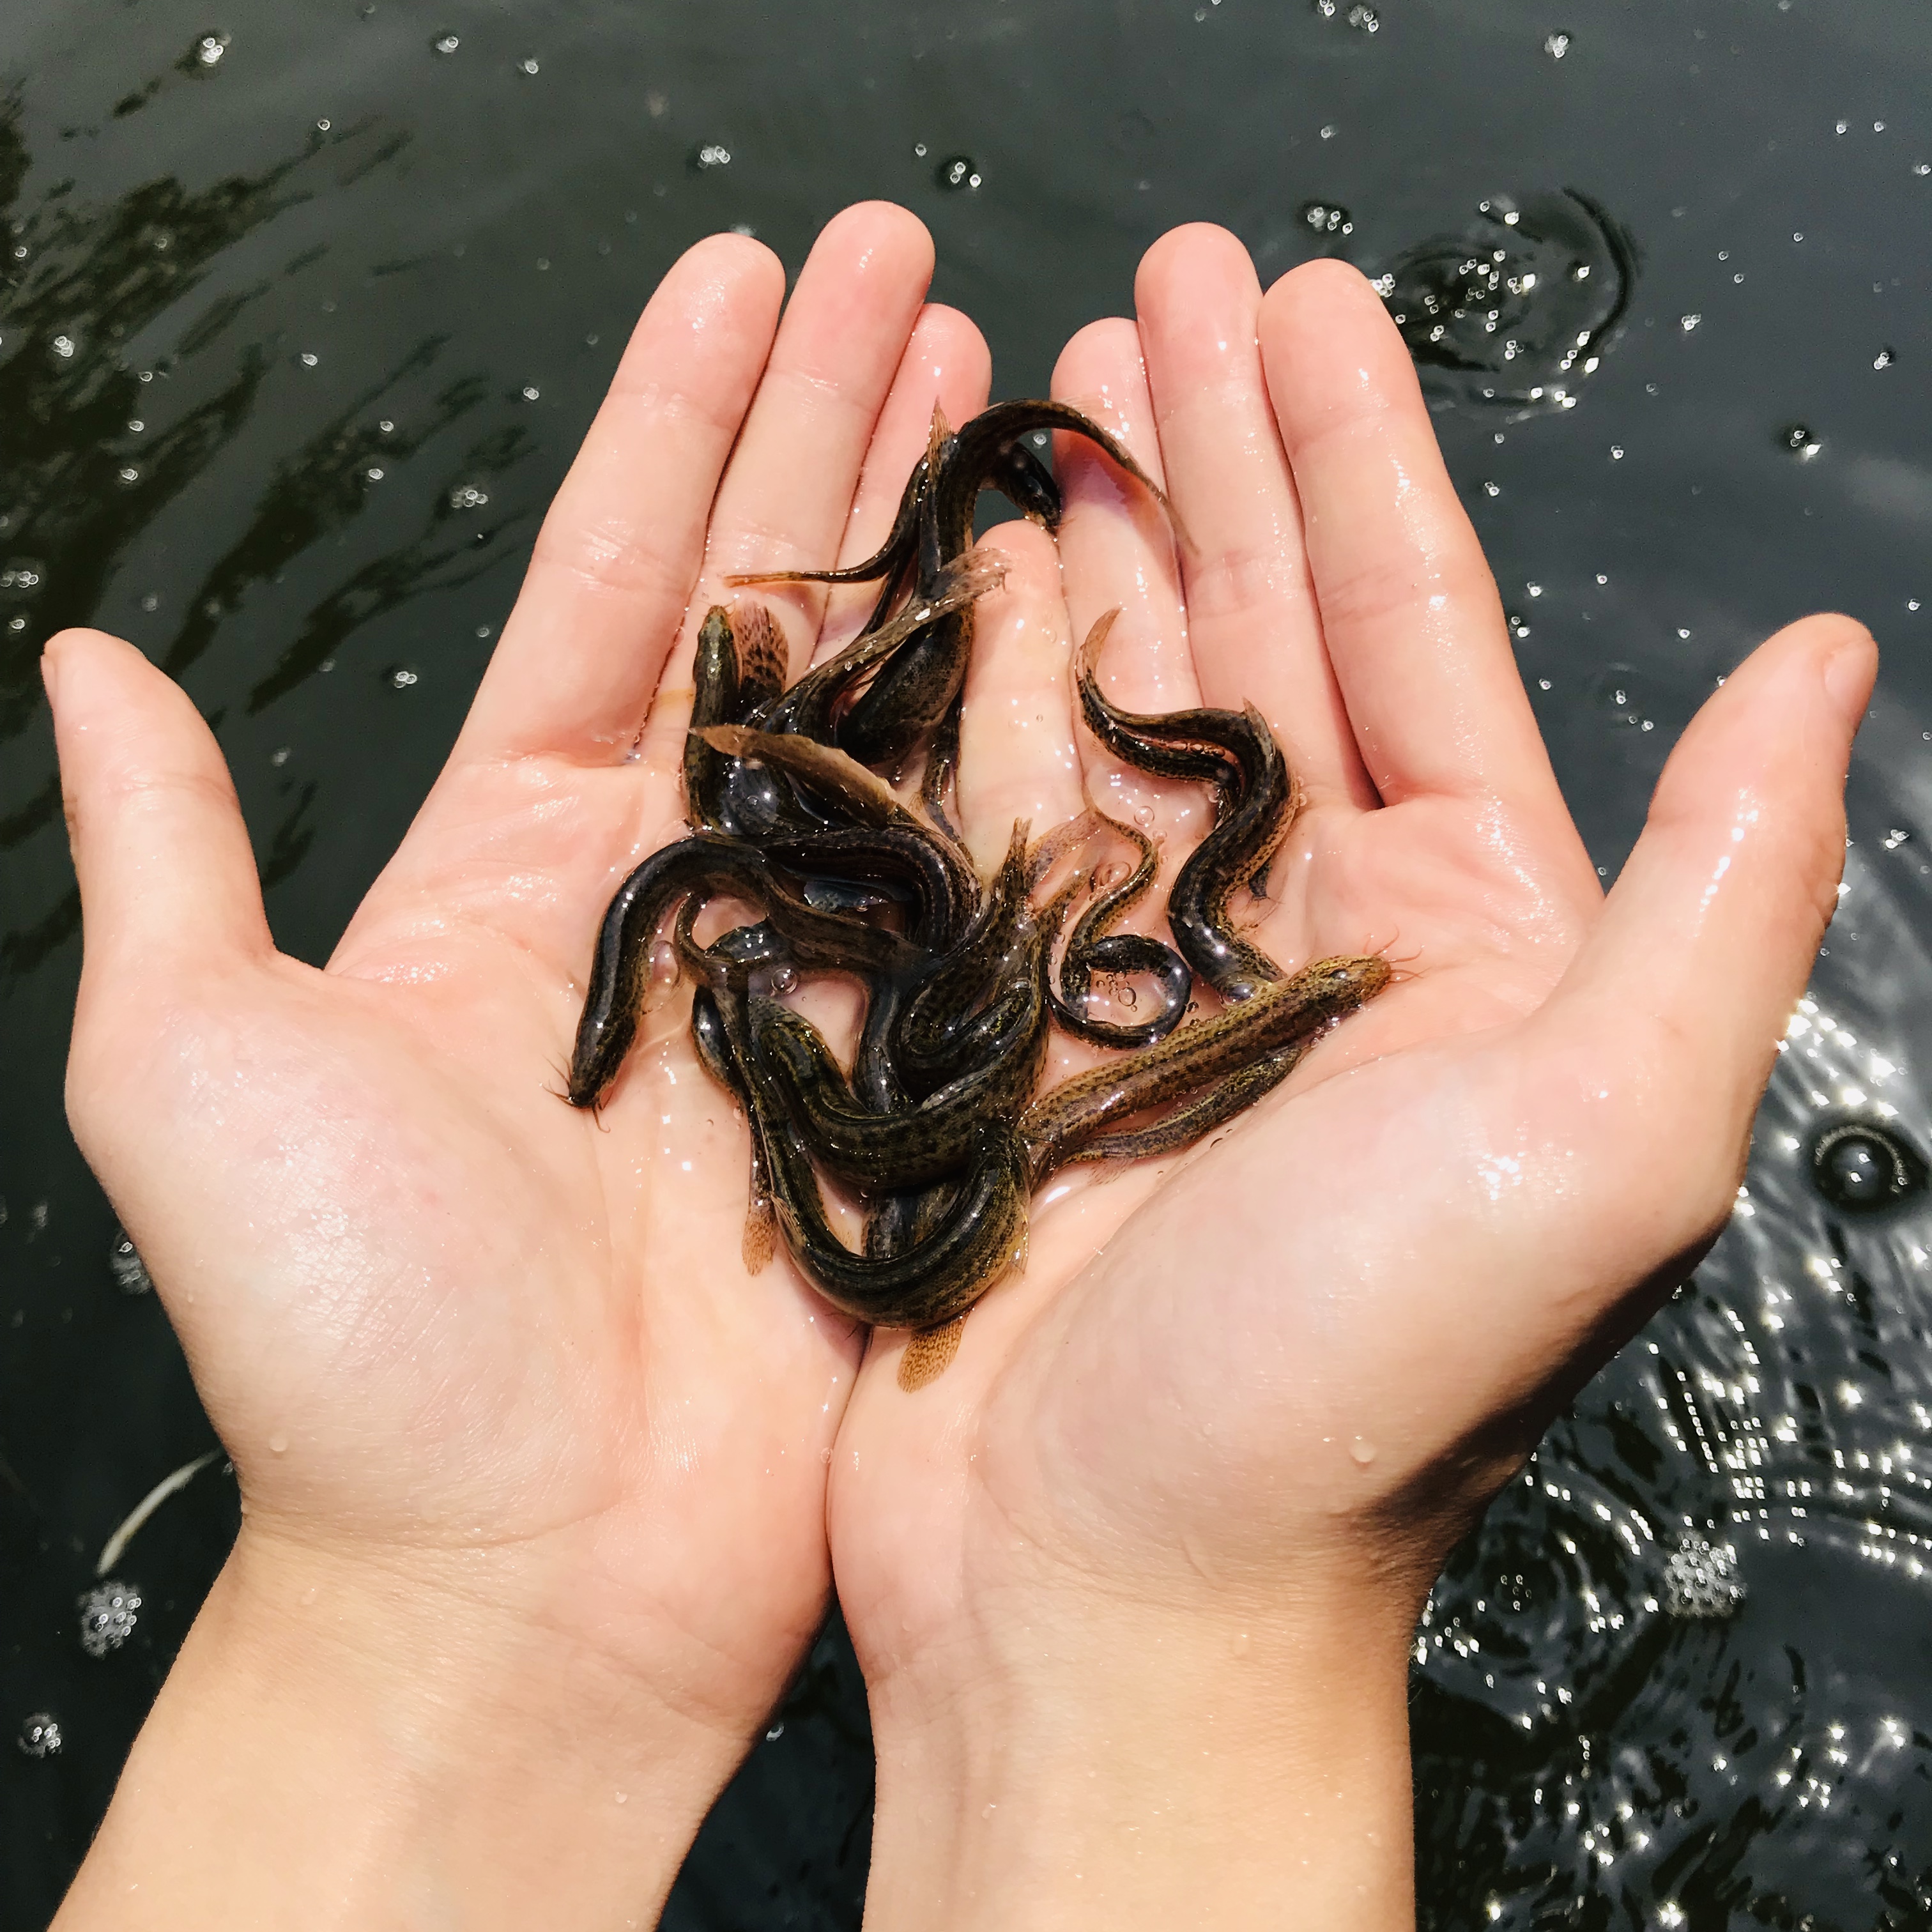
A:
(438, 1314)
(1373, 1280)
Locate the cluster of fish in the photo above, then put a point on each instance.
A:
(937, 1125)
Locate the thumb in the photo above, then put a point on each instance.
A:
(167, 875)
(1708, 937)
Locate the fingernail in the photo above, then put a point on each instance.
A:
(1848, 680)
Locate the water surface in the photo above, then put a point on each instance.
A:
(302, 313)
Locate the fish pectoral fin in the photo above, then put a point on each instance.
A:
(929, 1354)
(760, 1234)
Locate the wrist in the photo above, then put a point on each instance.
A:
(1110, 1765)
(341, 1744)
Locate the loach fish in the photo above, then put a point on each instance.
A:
(1068, 1123)
(1091, 949)
(918, 690)
(1255, 800)
(740, 666)
(621, 970)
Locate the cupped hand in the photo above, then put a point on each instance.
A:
(508, 1414)
(1138, 1574)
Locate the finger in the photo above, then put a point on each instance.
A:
(1017, 759)
(787, 495)
(1252, 618)
(947, 365)
(169, 885)
(616, 559)
(1414, 628)
(1116, 551)
(1708, 936)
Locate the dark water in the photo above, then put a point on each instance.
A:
(300, 318)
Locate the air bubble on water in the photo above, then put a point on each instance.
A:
(63, 347)
(1534, 590)
(322, 127)
(1328, 132)
(1365, 19)
(1885, 358)
(151, 601)
(108, 1615)
(468, 497)
(531, 392)
(127, 473)
(375, 475)
(1860, 1166)
(1799, 440)
(446, 44)
(958, 172)
(401, 678)
(482, 630)
(710, 154)
(1556, 45)
(130, 1272)
(1841, 127)
(40, 1735)
(1493, 489)
(280, 755)
(1615, 692)
(1328, 217)
(1893, 838)
(209, 49)
(528, 67)
(1912, 603)
(1688, 323)
(1700, 1579)
(1616, 452)
(1519, 626)
(309, 359)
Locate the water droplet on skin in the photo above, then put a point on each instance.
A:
(1363, 1451)
(1144, 817)
(784, 980)
(664, 963)
(1242, 1644)
(278, 1444)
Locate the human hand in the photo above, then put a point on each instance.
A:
(533, 1474)
(1134, 1584)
